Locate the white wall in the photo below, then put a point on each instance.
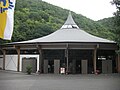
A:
(11, 61)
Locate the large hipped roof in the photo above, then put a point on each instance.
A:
(69, 32)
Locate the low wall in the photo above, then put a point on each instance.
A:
(11, 61)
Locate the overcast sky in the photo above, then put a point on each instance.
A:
(93, 9)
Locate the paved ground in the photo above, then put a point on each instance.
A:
(19, 81)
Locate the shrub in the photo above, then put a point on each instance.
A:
(29, 69)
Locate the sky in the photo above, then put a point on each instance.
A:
(93, 9)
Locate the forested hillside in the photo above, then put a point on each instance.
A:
(35, 18)
(109, 24)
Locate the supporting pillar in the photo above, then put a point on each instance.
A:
(40, 59)
(18, 63)
(94, 59)
(67, 67)
(4, 54)
(118, 63)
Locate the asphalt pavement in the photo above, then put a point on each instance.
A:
(10, 80)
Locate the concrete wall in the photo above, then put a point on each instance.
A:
(1, 61)
(11, 61)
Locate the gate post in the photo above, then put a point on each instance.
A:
(18, 52)
(40, 59)
(95, 58)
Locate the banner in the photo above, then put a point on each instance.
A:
(6, 18)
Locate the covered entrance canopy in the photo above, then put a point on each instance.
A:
(67, 47)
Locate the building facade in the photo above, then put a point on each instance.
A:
(71, 48)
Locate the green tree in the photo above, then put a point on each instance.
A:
(117, 22)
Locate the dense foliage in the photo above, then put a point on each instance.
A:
(35, 18)
(114, 23)
(117, 22)
(108, 23)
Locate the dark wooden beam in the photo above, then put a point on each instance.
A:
(94, 59)
(67, 58)
(18, 63)
(40, 59)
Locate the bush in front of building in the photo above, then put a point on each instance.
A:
(29, 69)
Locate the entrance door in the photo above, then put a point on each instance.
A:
(107, 66)
(29, 61)
(56, 66)
(74, 66)
(45, 66)
(84, 66)
(78, 66)
(50, 66)
(109, 62)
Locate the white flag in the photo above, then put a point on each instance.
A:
(6, 18)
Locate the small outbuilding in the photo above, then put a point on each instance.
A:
(70, 49)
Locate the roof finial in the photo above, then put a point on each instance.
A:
(70, 23)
